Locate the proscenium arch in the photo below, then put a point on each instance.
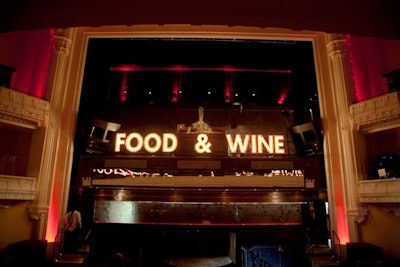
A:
(72, 87)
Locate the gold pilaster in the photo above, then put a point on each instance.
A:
(52, 169)
(350, 141)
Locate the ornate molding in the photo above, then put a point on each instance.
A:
(23, 110)
(17, 187)
(61, 41)
(379, 191)
(392, 208)
(36, 212)
(376, 114)
(360, 214)
(336, 45)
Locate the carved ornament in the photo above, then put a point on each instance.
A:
(20, 109)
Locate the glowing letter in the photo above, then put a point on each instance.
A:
(119, 141)
(139, 144)
(170, 142)
(279, 144)
(147, 144)
(233, 146)
(263, 143)
(254, 144)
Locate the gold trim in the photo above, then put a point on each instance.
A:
(20, 109)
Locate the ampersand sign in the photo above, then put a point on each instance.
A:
(202, 145)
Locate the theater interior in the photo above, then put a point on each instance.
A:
(216, 134)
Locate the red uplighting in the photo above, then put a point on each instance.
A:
(124, 87)
(341, 218)
(32, 65)
(186, 68)
(283, 95)
(177, 85)
(228, 68)
(175, 91)
(53, 217)
(356, 71)
(228, 88)
(367, 65)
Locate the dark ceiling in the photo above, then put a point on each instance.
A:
(375, 18)
(277, 74)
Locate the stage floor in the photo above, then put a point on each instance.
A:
(199, 262)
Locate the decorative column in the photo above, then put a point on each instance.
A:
(345, 191)
(49, 142)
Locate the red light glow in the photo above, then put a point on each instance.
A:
(176, 87)
(367, 65)
(35, 49)
(228, 88)
(124, 87)
(205, 222)
(341, 219)
(184, 68)
(283, 95)
(54, 214)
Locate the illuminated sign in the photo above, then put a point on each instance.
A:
(152, 142)
(201, 144)
(274, 145)
(124, 172)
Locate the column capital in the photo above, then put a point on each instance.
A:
(62, 44)
(360, 214)
(336, 45)
(37, 212)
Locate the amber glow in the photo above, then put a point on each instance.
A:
(54, 214)
(152, 148)
(341, 218)
(152, 142)
(257, 144)
(170, 142)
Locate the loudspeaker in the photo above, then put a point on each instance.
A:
(307, 138)
(28, 253)
(5, 75)
(393, 80)
(359, 252)
(101, 135)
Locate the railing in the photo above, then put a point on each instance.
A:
(22, 110)
(59, 242)
(17, 187)
(256, 260)
(310, 248)
(337, 254)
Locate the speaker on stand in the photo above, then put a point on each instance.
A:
(307, 138)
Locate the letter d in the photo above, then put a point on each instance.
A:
(170, 142)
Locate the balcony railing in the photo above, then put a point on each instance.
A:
(22, 110)
(19, 110)
(17, 187)
(379, 191)
(376, 114)
(373, 115)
